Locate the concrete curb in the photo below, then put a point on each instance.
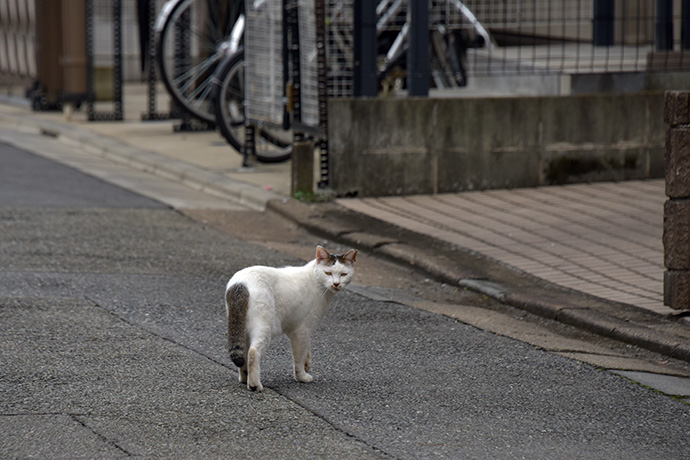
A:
(185, 173)
(532, 295)
(428, 256)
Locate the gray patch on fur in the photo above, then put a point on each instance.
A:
(237, 298)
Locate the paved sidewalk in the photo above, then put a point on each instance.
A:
(600, 239)
(603, 239)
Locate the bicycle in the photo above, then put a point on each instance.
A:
(192, 38)
(201, 60)
(198, 47)
(272, 145)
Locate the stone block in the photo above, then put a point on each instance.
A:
(677, 162)
(677, 289)
(677, 234)
(403, 146)
(677, 107)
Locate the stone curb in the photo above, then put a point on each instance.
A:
(431, 263)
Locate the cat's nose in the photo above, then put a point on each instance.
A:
(336, 283)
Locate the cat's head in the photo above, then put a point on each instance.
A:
(334, 271)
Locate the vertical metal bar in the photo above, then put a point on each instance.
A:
(91, 96)
(578, 34)
(286, 63)
(294, 97)
(117, 59)
(623, 23)
(664, 25)
(418, 51)
(534, 35)
(685, 24)
(249, 150)
(365, 84)
(182, 44)
(151, 58)
(322, 77)
(604, 13)
(638, 34)
(520, 36)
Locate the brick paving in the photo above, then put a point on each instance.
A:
(604, 239)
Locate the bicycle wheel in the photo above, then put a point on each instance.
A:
(272, 145)
(191, 39)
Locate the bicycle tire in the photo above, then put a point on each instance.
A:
(186, 74)
(272, 145)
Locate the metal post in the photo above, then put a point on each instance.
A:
(91, 93)
(73, 59)
(320, 24)
(418, 52)
(49, 76)
(365, 83)
(151, 81)
(287, 31)
(118, 80)
(664, 25)
(118, 112)
(249, 150)
(295, 85)
(604, 13)
(685, 24)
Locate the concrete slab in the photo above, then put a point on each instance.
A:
(626, 364)
(670, 385)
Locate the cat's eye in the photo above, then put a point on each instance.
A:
(328, 273)
(343, 274)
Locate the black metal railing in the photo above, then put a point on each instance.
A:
(581, 36)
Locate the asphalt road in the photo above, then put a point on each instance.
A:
(112, 346)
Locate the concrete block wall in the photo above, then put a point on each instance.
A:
(677, 207)
(407, 146)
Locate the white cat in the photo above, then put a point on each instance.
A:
(263, 302)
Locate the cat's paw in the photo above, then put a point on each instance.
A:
(259, 387)
(242, 375)
(254, 383)
(304, 377)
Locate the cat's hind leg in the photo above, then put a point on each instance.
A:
(253, 375)
(242, 371)
(258, 344)
(301, 354)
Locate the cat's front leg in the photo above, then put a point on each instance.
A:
(301, 354)
(307, 362)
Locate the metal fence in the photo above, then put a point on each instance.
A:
(18, 46)
(264, 58)
(18, 38)
(529, 36)
(532, 37)
(580, 36)
(542, 36)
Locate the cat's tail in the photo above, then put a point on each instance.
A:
(237, 301)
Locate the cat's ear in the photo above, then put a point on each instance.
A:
(321, 254)
(350, 257)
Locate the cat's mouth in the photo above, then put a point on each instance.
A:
(336, 288)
